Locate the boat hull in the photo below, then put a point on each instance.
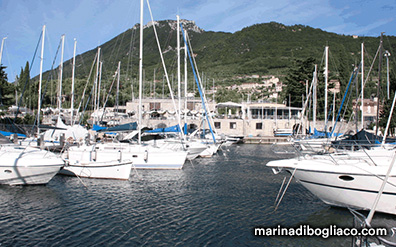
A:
(103, 170)
(27, 166)
(360, 193)
(142, 157)
(209, 151)
(351, 181)
(194, 149)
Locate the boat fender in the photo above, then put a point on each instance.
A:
(120, 155)
(93, 155)
(146, 155)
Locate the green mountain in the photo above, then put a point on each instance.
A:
(262, 49)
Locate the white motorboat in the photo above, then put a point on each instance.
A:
(142, 156)
(27, 166)
(350, 179)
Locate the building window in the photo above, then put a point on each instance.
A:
(217, 125)
(259, 126)
(190, 106)
(155, 106)
(233, 125)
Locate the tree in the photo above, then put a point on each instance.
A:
(6, 89)
(224, 95)
(24, 87)
(295, 81)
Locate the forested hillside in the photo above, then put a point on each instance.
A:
(261, 49)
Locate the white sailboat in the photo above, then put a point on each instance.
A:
(26, 165)
(211, 143)
(107, 170)
(194, 148)
(82, 161)
(142, 156)
(52, 138)
(93, 162)
(156, 158)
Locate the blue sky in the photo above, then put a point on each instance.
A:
(93, 22)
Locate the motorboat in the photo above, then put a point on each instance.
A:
(349, 179)
(24, 165)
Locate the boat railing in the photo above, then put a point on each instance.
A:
(342, 154)
(314, 146)
(335, 157)
(285, 148)
(353, 145)
(360, 222)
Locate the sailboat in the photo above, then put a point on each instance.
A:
(143, 156)
(165, 137)
(55, 137)
(160, 138)
(22, 165)
(85, 162)
(212, 144)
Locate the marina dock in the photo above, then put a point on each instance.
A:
(264, 139)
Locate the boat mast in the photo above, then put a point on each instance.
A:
(165, 70)
(326, 83)
(185, 81)
(314, 98)
(40, 80)
(154, 84)
(72, 86)
(96, 86)
(1, 50)
(140, 72)
(61, 75)
(333, 119)
(178, 65)
(99, 87)
(362, 92)
(118, 86)
(379, 85)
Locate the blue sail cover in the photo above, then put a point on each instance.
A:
(98, 128)
(6, 133)
(175, 128)
(320, 134)
(122, 127)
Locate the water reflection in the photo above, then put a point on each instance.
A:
(215, 201)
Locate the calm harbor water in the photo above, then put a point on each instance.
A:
(211, 202)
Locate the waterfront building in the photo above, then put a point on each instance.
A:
(229, 118)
